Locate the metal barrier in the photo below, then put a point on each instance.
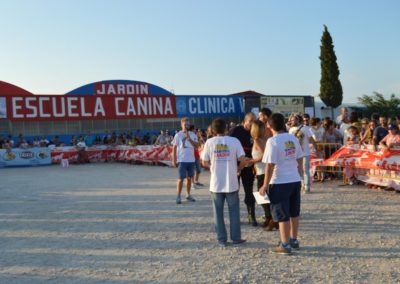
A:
(324, 151)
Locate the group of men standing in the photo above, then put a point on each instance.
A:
(229, 158)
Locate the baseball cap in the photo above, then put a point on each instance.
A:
(393, 126)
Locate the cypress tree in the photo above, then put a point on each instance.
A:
(331, 92)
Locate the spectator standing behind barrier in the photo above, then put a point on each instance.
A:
(381, 131)
(343, 129)
(221, 154)
(368, 137)
(363, 126)
(283, 157)
(183, 157)
(57, 141)
(330, 134)
(304, 135)
(162, 139)
(97, 140)
(392, 139)
(353, 140)
(81, 147)
(242, 132)
(317, 130)
(89, 139)
(73, 141)
(36, 142)
(10, 142)
(342, 116)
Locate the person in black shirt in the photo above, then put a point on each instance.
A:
(242, 132)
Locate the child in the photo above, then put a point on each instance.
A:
(352, 140)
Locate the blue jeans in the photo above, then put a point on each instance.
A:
(218, 201)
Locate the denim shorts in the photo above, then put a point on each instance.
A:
(285, 201)
(186, 170)
(197, 166)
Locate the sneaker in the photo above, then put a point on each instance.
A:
(294, 244)
(241, 241)
(194, 186)
(190, 198)
(198, 184)
(222, 244)
(178, 200)
(280, 249)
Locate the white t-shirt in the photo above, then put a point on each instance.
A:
(81, 144)
(343, 130)
(283, 150)
(305, 133)
(318, 133)
(223, 153)
(185, 150)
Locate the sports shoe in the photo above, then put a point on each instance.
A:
(241, 241)
(194, 186)
(198, 184)
(280, 249)
(190, 198)
(294, 244)
(222, 244)
(178, 200)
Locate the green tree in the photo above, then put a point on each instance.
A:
(378, 104)
(331, 92)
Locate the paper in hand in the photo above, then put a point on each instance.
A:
(261, 199)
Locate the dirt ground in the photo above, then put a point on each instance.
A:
(118, 223)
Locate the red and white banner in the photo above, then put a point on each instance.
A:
(380, 168)
(145, 153)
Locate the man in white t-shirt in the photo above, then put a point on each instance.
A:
(283, 158)
(344, 113)
(183, 158)
(221, 154)
(304, 135)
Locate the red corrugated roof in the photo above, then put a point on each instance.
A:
(7, 89)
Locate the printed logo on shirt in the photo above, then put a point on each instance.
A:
(221, 152)
(290, 149)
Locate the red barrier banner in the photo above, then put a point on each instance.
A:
(362, 158)
(380, 168)
(145, 154)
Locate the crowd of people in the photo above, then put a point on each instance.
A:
(276, 153)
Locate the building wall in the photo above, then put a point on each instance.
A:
(40, 128)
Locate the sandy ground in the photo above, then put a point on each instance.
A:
(118, 223)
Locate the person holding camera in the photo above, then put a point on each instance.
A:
(184, 143)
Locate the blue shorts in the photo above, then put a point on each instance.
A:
(197, 166)
(186, 170)
(285, 201)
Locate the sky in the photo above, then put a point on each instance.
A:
(200, 47)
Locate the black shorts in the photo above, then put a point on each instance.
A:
(285, 201)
